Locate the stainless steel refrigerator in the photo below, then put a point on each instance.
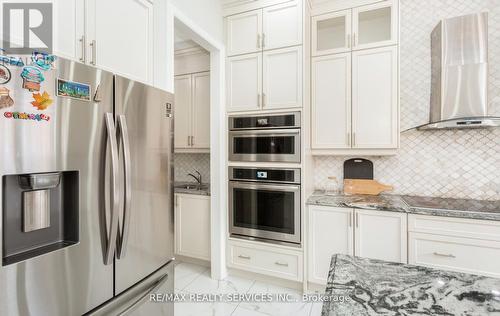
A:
(86, 213)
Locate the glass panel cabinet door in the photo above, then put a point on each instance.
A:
(331, 33)
(375, 25)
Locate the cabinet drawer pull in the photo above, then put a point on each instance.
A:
(258, 40)
(283, 264)
(348, 40)
(444, 255)
(244, 257)
(263, 40)
(258, 100)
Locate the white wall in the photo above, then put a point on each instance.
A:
(206, 13)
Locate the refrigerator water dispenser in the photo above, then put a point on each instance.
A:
(40, 214)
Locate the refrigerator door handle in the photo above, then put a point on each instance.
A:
(156, 286)
(113, 227)
(125, 227)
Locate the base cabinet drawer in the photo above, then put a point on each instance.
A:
(277, 262)
(467, 255)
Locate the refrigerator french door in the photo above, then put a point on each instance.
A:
(106, 238)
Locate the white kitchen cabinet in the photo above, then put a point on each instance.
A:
(330, 231)
(363, 27)
(273, 260)
(282, 78)
(375, 114)
(282, 25)
(115, 35)
(192, 226)
(120, 37)
(192, 112)
(244, 33)
(69, 29)
(201, 111)
(244, 82)
(331, 101)
(381, 235)
(355, 101)
(331, 33)
(182, 112)
(365, 233)
(269, 28)
(375, 25)
(456, 244)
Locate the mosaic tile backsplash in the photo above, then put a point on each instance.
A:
(188, 163)
(455, 163)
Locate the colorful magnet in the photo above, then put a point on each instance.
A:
(43, 60)
(42, 101)
(5, 74)
(32, 77)
(13, 61)
(5, 99)
(74, 90)
(26, 116)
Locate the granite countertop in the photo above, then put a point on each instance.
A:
(203, 190)
(474, 209)
(360, 286)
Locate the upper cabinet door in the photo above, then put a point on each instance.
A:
(182, 112)
(331, 33)
(331, 101)
(244, 82)
(122, 37)
(282, 25)
(201, 110)
(375, 98)
(69, 29)
(375, 25)
(244, 33)
(282, 78)
(381, 235)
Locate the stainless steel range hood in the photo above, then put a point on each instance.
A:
(459, 82)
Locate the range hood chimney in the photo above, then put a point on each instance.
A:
(459, 82)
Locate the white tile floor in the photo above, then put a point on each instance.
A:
(191, 279)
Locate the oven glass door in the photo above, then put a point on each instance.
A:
(266, 146)
(270, 211)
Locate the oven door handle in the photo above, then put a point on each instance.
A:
(267, 132)
(267, 187)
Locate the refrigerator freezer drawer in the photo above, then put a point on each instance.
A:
(136, 300)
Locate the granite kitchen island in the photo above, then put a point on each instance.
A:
(375, 287)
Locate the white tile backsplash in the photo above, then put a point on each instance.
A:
(455, 163)
(188, 163)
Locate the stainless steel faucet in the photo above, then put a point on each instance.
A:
(197, 178)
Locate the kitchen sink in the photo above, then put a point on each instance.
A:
(194, 186)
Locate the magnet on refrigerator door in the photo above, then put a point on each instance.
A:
(74, 90)
(5, 74)
(5, 99)
(43, 61)
(42, 101)
(32, 77)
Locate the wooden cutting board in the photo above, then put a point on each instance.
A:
(369, 187)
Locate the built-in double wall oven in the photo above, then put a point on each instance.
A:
(265, 138)
(264, 203)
